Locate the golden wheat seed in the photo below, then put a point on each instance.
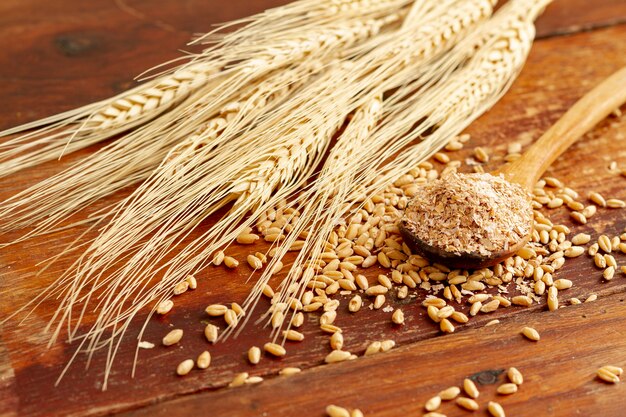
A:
(336, 411)
(210, 332)
(433, 403)
(495, 409)
(470, 388)
(288, 371)
(216, 310)
(522, 300)
(373, 348)
(607, 376)
(467, 403)
(507, 389)
(181, 288)
(433, 414)
(253, 380)
(165, 306)
(293, 335)
(553, 301)
(247, 238)
(274, 349)
(357, 413)
(562, 284)
(615, 203)
(578, 217)
(597, 198)
(581, 239)
(231, 318)
(254, 355)
(336, 341)
(231, 262)
(446, 326)
(450, 393)
(218, 258)
(185, 367)
(614, 369)
(604, 242)
(337, 356)
(397, 317)
(515, 376)
(531, 334)
(204, 360)
(173, 337)
(387, 345)
(608, 273)
(239, 380)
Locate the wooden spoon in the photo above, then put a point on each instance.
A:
(526, 171)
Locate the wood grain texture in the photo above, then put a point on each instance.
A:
(559, 373)
(40, 80)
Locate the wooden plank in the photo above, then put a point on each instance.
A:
(558, 371)
(537, 99)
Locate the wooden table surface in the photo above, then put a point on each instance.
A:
(56, 55)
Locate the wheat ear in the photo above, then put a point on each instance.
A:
(487, 76)
(137, 268)
(77, 129)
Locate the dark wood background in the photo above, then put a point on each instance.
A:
(62, 54)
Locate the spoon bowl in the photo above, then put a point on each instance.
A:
(526, 171)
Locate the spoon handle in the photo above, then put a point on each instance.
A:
(578, 120)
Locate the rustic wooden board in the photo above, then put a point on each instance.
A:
(559, 71)
(559, 373)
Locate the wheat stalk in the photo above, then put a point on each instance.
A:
(253, 191)
(241, 50)
(446, 110)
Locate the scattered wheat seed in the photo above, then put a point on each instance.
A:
(173, 337)
(490, 306)
(433, 403)
(507, 389)
(336, 341)
(336, 411)
(184, 367)
(607, 376)
(608, 273)
(531, 334)
(605, 243)
(433, 414)
(522, 300)
(467, 403)
(578, 217)
(293, 335)
(470, 388)
(450, 393)
(515, 376)
(397, 317)
(495, 409)
(165, 306)
(181, 287)
(481, 154)
(204, 360)
(216, 310)
(210, 332)
(337, 356)
(254, 380)
(231, 262)
(289, 371)
(254, 262)
(254, 355)
(597, 198)
(446, 326)
(615, 203)
(218, 258)
(492, 322)
(247, 238)
(274, 349)
(192, 282)
(297, 320)
(581, 239)
(231, 318)
(387, 345)
(239, 380)
(591, 298)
